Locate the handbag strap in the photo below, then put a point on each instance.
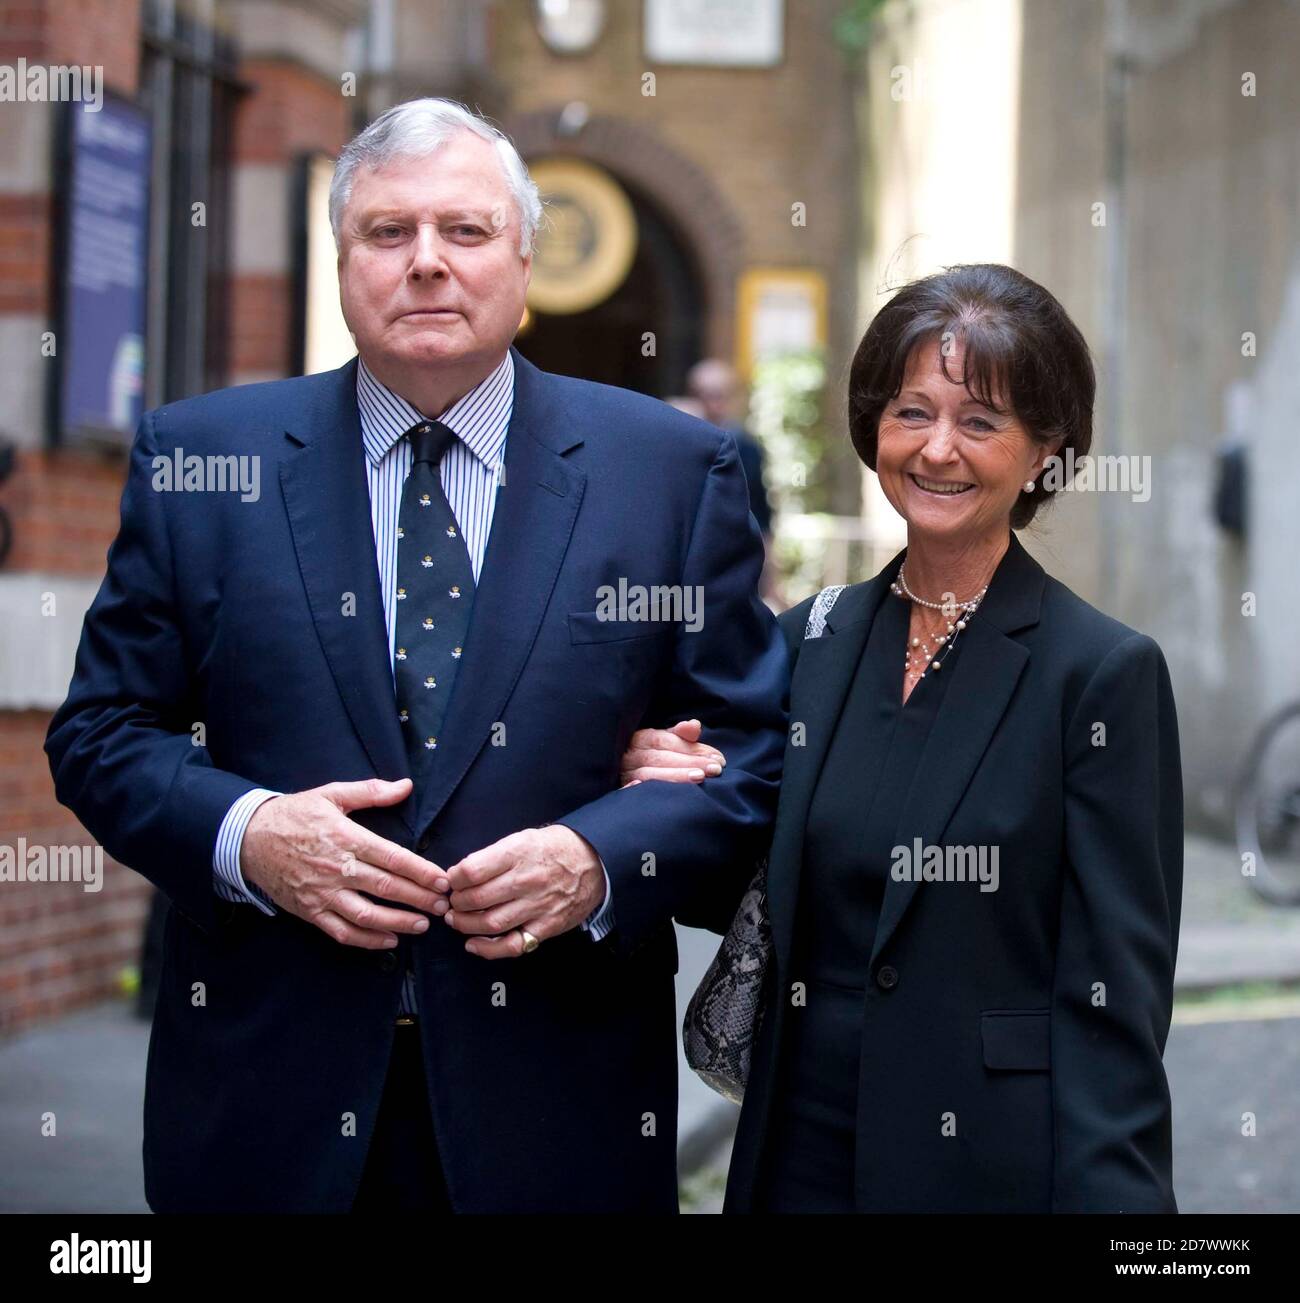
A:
(820, 609)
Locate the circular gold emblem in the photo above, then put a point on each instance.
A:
(587, 240)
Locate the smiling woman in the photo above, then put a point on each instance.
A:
(985, 343)
(922, 1046)
(964, 384)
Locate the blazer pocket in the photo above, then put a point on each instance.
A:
(587, 627)
(1017, 1039)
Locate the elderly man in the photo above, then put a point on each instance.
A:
(364, 730)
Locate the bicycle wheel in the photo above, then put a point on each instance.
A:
(1268, 808)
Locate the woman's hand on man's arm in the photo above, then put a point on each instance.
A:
(674, 755)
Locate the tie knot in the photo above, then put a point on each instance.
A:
(429, 440)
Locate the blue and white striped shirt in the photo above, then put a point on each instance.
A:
(470, 471)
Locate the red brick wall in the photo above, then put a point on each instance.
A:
(61, 947)
(24, 27)
(290, 112)
(24, 253)
(63, 507)
(105, 32)
(260, 323)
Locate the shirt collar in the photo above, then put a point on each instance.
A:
(480, 419)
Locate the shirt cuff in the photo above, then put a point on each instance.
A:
(601, 922)
(226, 876)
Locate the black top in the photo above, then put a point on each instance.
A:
(853, 827)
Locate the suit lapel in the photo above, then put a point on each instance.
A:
(536, 507)
(985, 667)
(819, 688)
(327, 498)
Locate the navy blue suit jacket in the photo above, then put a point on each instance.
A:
(553, 1076)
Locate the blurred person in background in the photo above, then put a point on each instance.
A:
(714, 385)
(690, 406)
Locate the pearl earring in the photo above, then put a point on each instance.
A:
(1029, 486)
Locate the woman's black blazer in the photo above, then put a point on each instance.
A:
(1012, 1040)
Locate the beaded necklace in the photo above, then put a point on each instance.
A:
(920, 657)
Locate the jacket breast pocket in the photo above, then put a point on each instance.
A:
(589, 627)
(1017, 1040)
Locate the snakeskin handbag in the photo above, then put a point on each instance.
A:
(725, 1014)
(723, 1018)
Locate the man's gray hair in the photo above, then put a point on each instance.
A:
(414, 130)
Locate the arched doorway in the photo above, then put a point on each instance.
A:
(676, 199)
(643, 335)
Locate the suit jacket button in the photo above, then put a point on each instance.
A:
(423, 843)
(887, 978)
(388, 960)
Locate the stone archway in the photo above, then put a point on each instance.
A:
(679, 186)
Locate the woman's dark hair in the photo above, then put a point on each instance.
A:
(1019, 346)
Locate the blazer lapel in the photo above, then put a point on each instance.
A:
(327, 497)
(537, 505)
(819, 688)
(985, 668)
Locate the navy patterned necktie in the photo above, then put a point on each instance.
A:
(435, 596)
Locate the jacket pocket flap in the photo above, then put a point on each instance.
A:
(1017, 1039)
(587, 626)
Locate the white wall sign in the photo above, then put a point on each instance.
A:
(728, 33)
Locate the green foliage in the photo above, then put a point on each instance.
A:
(785, 413)
(786, 396)
(854, 24)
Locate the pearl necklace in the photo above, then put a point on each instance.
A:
(925, 659)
